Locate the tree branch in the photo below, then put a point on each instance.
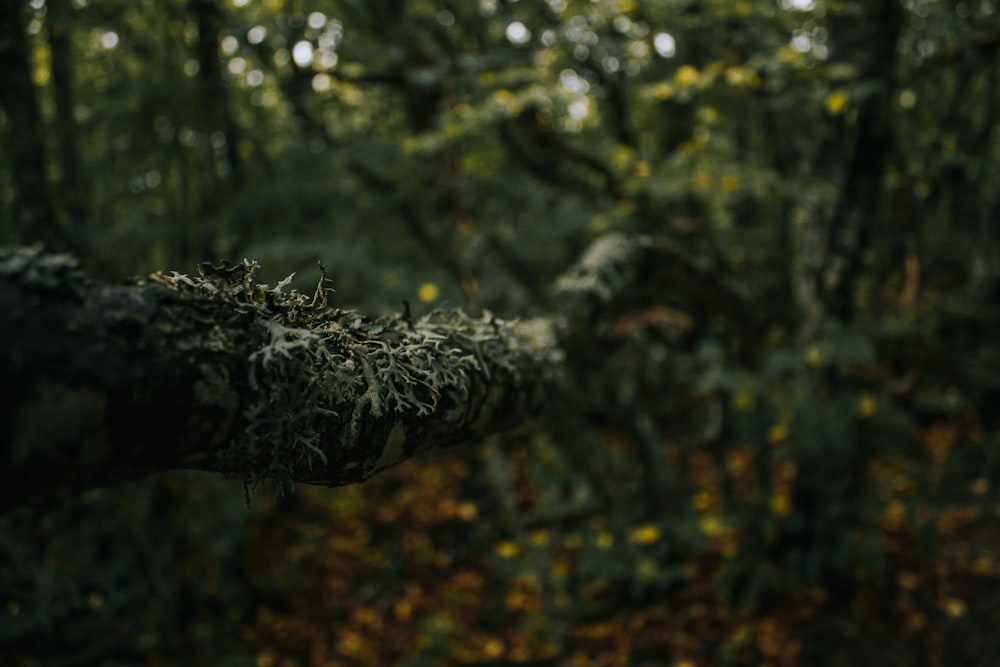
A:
(216, 373)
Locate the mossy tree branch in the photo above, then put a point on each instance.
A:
(214, 372)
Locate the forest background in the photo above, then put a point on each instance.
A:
(783, 450)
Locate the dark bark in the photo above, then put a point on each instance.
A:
(34, 216)
(860, 196)
(214, 372)
(830, 242)
(108, 383)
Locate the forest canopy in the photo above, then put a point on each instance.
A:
(771, 437)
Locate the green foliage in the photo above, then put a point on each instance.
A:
(109, 576)
(779, 439)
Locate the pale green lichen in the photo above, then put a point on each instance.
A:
(608, 265)
(320, 368)
(34, 268)
(326, 390)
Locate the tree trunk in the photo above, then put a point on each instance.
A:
(860, 195)
(71, 183)
(217, 128)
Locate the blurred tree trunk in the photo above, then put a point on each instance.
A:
(220, 163)
(854, 153)
(34, 216)
(869, 36)
(72, 187)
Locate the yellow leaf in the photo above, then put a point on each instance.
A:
(493, 649)
(663, 91)
(428, 292)
(983, 565)
(868, 406)
(836, 102)
(621, 156)
(781, 506)
(503, 97)
(895, 515)
(954, 607)
(702, 500)
(686, 76)
(507, 549)
(916, 621)
(467, 511)
(646, 534)
(744, 400)
(708, 115)
(641, 169)
(711, 526)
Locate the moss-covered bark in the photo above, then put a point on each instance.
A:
(214, 372)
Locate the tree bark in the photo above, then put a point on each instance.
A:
(860, 195)
(212, 372)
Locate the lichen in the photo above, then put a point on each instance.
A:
(36, 269)
(321, 376)
(293, 378)
(608, 265)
